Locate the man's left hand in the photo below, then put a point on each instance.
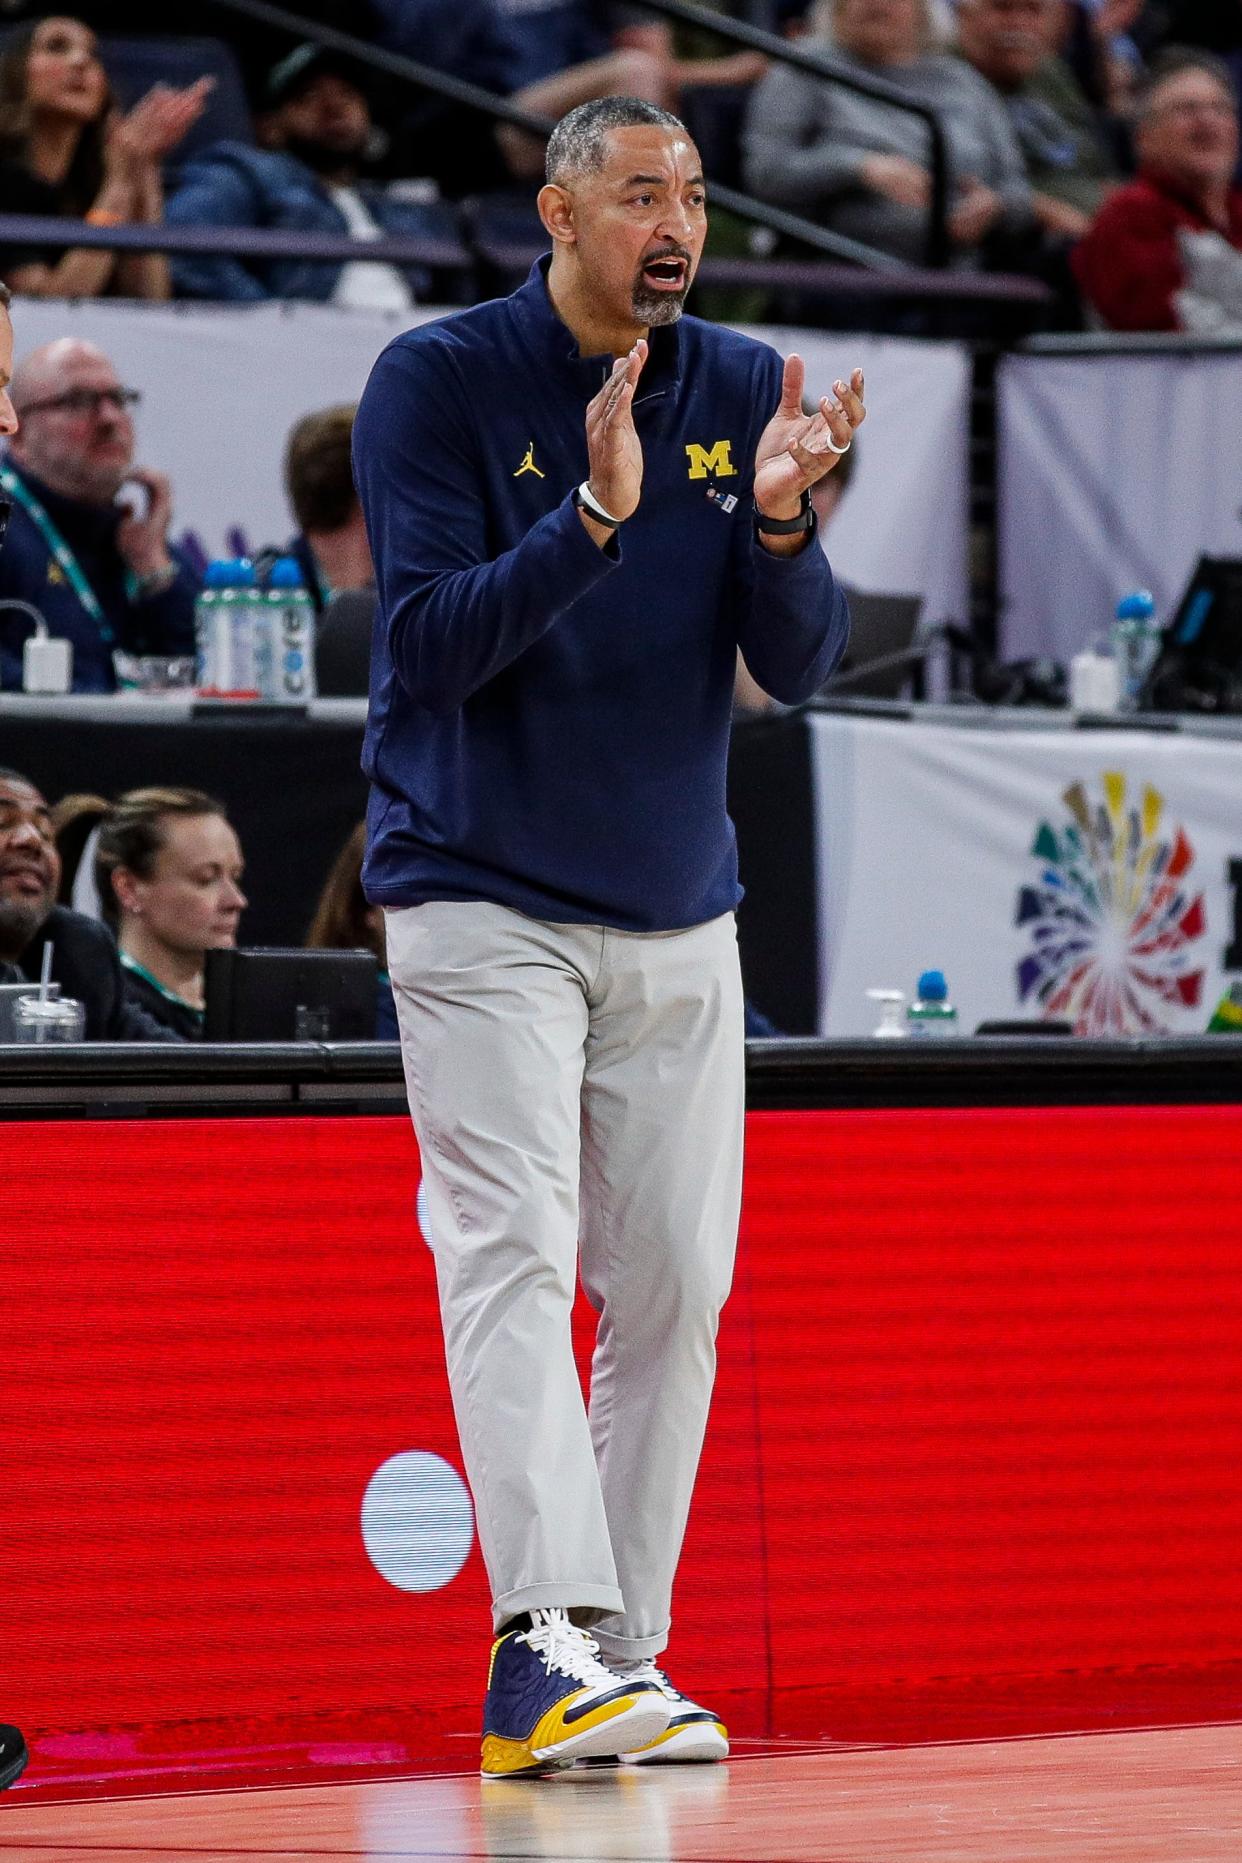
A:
(793, 450)
(142, 537)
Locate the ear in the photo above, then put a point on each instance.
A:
(124, 888)
(556, 210)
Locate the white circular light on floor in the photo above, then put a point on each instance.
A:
(417, 1521)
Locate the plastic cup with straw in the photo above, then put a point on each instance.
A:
(48, 1018)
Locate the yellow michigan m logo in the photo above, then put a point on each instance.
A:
(714, 460)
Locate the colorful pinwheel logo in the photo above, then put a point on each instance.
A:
(1111, 918)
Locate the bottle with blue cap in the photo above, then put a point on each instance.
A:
(286, 653)
(1136, 643)
(206, 643)
(931, 1015)
(224, 629)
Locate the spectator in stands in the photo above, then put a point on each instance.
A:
(1103, 41)
(344, 921)
(65, 151)
(514, 51)
(164, 867)
(1069, 160)
(331, 544)
(552, 38)
(1213, 26)
(85, 961)
(101, 573)
(860, 166)
(308, 178)
(1165, 253)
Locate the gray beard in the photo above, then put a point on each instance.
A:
(652, 308)
(19, 921)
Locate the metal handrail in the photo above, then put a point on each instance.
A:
(819, 64)
(445, 254)
(396, 64)
(20, 229)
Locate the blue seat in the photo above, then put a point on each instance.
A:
(506, 230)
(134, 65)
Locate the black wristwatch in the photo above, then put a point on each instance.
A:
(786, 527)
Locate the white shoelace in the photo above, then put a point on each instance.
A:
(647, 1672)
(563, 1646)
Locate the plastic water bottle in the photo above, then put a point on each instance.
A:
(931, 1015)
(245, 609)
(1136, 642)
(224, 628)
(285, 661)
(212, 625)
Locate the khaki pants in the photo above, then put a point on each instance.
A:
(578, 1098)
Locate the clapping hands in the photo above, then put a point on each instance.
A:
(140, 140)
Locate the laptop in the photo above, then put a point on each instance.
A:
(880, 626)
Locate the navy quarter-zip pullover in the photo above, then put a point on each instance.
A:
(549, 720)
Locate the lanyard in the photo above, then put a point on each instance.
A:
(61, 552)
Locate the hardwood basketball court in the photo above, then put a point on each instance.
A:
(1156, 1795)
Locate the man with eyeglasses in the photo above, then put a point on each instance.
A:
(1165, 253)
(95, 564)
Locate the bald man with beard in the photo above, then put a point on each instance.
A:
(94, 562)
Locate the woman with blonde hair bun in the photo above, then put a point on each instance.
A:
(166, 866)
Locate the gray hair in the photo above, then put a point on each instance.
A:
(1171, 63)
(6, 296)
(576, 146)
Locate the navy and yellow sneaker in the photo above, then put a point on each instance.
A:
(13, 1755)
(692, 1734)
(550, 1701)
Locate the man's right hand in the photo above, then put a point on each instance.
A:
(613, 449)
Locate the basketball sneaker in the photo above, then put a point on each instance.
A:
(550, 1701)
(13, 1755)
(692, 1734)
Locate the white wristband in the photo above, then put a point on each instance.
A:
(587, 497)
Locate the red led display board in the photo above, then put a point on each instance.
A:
(978, 1412)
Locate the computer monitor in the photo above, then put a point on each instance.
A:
(343, 645)
(269, 994)
(1199, 666)
(882, 631)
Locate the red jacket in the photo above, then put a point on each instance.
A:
(1129, 264)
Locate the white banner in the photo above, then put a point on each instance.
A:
(1116, 473)
(1087, 876)
(222, 387)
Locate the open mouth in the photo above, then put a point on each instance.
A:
(666, 274)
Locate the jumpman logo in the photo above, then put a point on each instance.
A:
(528, 463)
